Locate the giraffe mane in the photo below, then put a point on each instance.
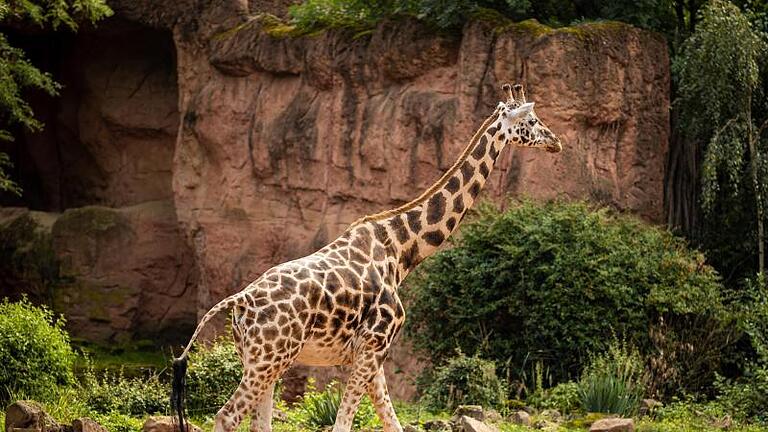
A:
(437, 185)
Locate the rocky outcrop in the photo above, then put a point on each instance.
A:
(115, 272)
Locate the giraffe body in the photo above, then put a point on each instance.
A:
(339, 305)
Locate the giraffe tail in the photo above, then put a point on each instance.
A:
(178, 384)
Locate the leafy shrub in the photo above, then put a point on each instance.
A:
(318, 409)
(746, 398)
(451, 14)
(130, 396)
(214, 374)
(34, 351)
(614, 381)
(563, 397)
(553, 282)
(464, 380)
(119, 422)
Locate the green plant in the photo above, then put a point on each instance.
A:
(564, 397)
(119, 422)
(131, 396)
(463, 380)
(552, 282)
(745, 398)
(34, 351)
(728, 130)
(214, 373)
(318, 409)
(614, 381)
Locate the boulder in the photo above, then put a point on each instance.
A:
(411, 428)
(474, 411)
(520, 418)
(491, 416)
(27, 414)
(166, 424)
(613, 425)
(469, 424)
(85, 424)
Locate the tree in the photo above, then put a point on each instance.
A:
(17, 73)
(718, 77)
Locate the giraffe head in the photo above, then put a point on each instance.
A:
(522, 126)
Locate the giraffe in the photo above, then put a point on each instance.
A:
(339, 305)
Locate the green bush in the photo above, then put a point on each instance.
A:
(553, 282)
(214, 374)
(614, 381)
(463, 380)
(131, 396)
(746, 398)
(452, 14)
(34, 351)
(563, 397)
(318, 409)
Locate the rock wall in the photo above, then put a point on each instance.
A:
(99, 176)
(283, 142)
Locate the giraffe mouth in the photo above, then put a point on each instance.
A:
(556, 148)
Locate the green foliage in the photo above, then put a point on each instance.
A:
(613, 382)
(6, 184)
(717, 80)
(34, 351)
(214, 373)
(131, 396)
(318, 409)
(746, 398)
(463, 380)
(314, 15)
(553, 282)
(563, 397)
(119, 422)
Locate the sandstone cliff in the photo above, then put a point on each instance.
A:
(278, 144)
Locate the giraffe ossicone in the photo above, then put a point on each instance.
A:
(339, 305)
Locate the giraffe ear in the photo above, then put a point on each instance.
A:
(522, 111)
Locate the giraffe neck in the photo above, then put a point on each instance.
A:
(417, 229)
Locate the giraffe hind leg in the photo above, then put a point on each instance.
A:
(261, 419)
(383, 404)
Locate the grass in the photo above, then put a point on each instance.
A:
(133, 359)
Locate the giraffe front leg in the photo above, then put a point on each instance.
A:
(261, 420)
(381, 401)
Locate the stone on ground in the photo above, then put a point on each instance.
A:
(474, 411)
(166, 424)
(521, 418)
(613, 425)
(469, 424)
(85, 424)
(27, 414)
